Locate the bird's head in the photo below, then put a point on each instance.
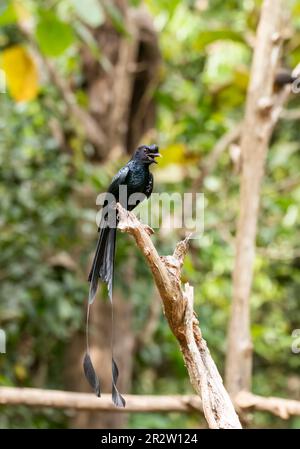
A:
(147, 154)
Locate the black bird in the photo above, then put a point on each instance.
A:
(134, 178)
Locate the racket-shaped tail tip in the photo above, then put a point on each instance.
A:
(91, 375)
(117, 398)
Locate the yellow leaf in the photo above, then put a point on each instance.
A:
(21, 73)
(173, 154)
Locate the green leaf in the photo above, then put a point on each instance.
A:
(89, 11)
(7, 13)
(207, 37)
(53, 35)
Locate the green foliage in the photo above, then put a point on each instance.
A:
(53, 35)
(41, 302)
(7, 13)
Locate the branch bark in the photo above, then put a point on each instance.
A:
(34, 397)
(263, 108)
(284, 408)
(178, 309)
(291, 114)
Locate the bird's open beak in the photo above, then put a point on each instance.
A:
(152, 156)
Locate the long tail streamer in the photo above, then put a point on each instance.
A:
(103, 268)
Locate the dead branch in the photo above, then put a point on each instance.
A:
(290, 114)
(277, 406)
(34, 397)
(263, 108)
(178, 309)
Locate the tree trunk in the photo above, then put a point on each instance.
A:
(260, 118)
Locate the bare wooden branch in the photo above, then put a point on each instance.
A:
(290, 114)
(263, 108)
(178, 309)
(34, 397)
(277, 406)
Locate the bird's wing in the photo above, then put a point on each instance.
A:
(149, 187)
(118, 179)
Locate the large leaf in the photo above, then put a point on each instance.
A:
(21, 73)
(53, 35)
(89, 11)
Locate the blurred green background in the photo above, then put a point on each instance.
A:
(191, 68)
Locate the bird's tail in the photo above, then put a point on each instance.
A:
(103, 263)
(103, 268)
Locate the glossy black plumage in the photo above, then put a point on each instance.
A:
(137, 178)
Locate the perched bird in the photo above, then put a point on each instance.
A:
(134, 178)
